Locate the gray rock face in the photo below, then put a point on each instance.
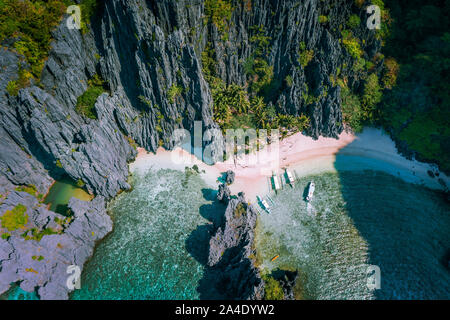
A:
(230, 177)
(224, 193)
(150, 56)
(41, 265)
(230, 270)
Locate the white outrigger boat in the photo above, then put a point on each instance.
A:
(312, 187)
(263, 204)
(290, 178)
(275, 181)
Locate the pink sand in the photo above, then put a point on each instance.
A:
(301, 154)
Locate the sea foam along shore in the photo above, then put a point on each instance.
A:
(370, 150)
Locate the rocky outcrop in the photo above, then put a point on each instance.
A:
(230, 270)
(149, 54)
(39, 264)
(287, 280)
(229, 179)
(224, 193)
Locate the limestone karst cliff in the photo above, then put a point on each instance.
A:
(143, 48)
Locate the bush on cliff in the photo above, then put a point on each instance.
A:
(30, 189)
(15, 219)
(304, 55)
(30, 22)
(219, 13)
(86, 102)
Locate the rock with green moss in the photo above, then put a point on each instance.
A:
(38, 245)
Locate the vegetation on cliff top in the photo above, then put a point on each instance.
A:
(236, 106)
(411, 97)
(29, 23)
(272, 289)
(218, 12)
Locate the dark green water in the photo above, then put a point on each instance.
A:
(61, 192)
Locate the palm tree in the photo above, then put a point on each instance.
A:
(258, 104)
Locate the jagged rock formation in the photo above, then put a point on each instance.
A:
(41, 266)
(229, 177)
(287, 280)
(230, 271)
(224, 193)
(143, 49)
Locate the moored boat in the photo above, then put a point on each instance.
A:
(290, 178)
(312, 187)
(276, 182)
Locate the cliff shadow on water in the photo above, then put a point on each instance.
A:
(405, 226)
(197, 244)
(224, 248)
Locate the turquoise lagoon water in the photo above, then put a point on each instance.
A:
(357, 219)
(16, 293)
(157, 233)
(158, 247)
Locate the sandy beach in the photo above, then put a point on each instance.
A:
(370, 150)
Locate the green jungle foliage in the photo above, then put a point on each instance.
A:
(219, 13)
(86, 102)
(236, 106)
(272, 289)
(30, 23)
(417, 109)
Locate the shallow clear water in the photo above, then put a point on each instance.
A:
(359, 219)
(149, 253)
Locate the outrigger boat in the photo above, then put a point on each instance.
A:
(290, 178)
(312, 187)
(263, 204)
